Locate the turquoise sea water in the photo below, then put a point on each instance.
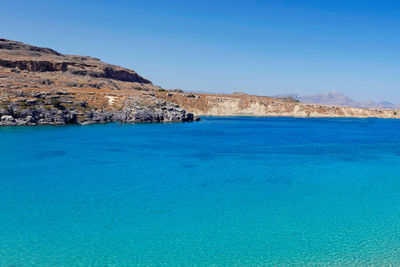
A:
(223, 191)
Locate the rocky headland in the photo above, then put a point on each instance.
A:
(40, 86)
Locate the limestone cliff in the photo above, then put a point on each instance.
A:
(250, 105)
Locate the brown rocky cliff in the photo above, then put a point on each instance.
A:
(36, 59)
(41, 86)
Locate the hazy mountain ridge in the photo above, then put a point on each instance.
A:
(339, 99)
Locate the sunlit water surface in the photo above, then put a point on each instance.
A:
(223, 191)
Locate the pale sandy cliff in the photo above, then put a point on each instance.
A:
(250, 105)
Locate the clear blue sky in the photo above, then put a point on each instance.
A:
(260, 47)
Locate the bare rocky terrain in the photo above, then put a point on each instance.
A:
(39, 86)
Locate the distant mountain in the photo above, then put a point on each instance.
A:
(339, 99)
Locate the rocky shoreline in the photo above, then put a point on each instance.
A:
(57, 109)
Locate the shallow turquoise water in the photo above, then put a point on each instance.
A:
(223, 191)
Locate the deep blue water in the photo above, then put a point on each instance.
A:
(223, 191)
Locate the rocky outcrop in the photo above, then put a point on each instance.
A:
(36, 66)
(108, 72)
(122, 75)
(13, 45)
(56, 109)
(39, 86)
(20, 56)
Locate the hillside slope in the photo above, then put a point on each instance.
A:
(41, 86)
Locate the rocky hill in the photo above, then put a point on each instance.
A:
(40, 86)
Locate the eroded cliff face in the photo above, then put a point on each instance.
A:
(248, 105)
(17, 55)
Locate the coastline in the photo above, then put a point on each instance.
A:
(40, 86)
(263, 106)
